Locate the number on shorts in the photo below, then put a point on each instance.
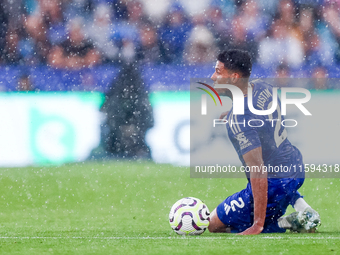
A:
(232, 205)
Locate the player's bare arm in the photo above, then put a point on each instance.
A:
(259, 184)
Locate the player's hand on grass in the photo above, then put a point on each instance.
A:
(253, 230)
(224, 114)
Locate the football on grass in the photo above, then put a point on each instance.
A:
(189, 216)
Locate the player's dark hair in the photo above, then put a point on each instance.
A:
(236, 60)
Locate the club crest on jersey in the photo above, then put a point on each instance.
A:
(243, 141)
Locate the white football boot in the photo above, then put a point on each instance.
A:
(309, 219)
(301, 222)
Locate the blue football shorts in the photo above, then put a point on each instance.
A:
(237, 211)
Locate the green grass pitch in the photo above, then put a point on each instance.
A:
(123, 207)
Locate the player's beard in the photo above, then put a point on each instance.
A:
(223, 92)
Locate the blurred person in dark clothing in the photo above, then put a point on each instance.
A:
(37, 39)
(11, 54)
(24, 83)
(119, 9)
(75, 52)
(46, 28)
(130, 11)
(3, 28)
(52, 13)
(128, 115)
(148, 50)
(13, 10)
(10, 32)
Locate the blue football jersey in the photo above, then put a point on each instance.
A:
(250, 131)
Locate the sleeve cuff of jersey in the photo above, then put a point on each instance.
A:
(246, 150)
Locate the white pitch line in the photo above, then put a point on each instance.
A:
(171, 238)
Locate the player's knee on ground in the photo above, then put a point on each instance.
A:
(216, 225)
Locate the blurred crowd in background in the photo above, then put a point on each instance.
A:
(79, 45)
(83, 33)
